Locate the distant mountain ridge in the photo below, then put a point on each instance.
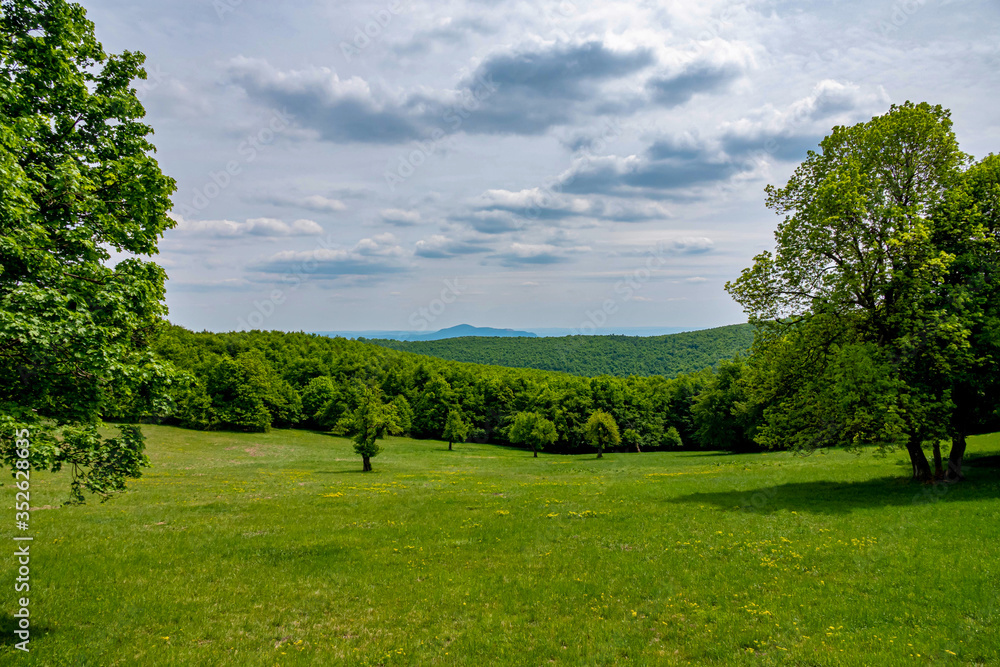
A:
(591, 356)
(465, 330)
(458, 331)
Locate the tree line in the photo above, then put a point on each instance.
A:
(254, 381)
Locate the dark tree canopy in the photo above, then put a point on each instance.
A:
(323, 374)
(77, 181)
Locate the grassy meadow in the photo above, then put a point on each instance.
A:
(275, 549)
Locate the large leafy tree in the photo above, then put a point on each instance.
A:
(316, 395)
(247, 395)
(720, 411)
(77, 181)
(864, 329)
(968, 228)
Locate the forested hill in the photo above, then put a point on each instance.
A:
(591, 356)
(251, 381)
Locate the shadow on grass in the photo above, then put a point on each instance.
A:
(9, 624)
(845, 497)
(990, 461)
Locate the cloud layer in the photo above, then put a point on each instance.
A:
(538, 152)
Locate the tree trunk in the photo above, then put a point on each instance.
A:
(921, 467)
(368, 463)
(600, 453)
(954, 473)
(637, 450)
(938, 466)
(449, 446)
(536, 453)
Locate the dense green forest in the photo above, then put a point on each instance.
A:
(252, 381)
(591, 356)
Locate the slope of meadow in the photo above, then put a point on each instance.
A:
(273, 549)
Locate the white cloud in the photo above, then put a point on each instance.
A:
(399, 217)
(439, 247)
(254, 227)
(322, 204)
(379, 255)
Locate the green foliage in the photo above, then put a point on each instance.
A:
(368, 422)
(77, 180)
(720, 412)
(247, 394)
(601, 431)
(405, 414)
(324, 371)
(455, 430)
(632, 439)
(431, 408)
(532, 430)
(192, 404)
(591, 356)
(838, 392)
(317, 394)
(968, 227)
(868, 314)
(672, 439)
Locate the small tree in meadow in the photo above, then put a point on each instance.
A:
(368, 422)
(455, 430)
(530, 428)
(601, 431)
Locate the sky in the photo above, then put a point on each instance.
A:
(408, 165)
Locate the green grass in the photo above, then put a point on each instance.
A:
(275, 550)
